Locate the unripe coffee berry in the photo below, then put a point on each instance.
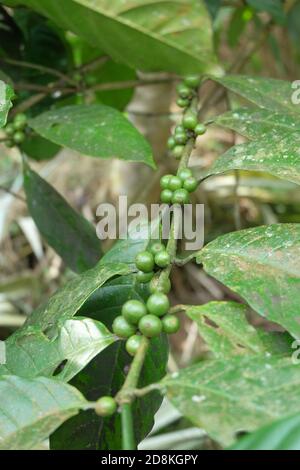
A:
(158, 304)
(192, 81)
(189, 121)
(166, 196)
(105, 406)
(184, 174)
(164, 181)
(145, 261)
(178, 151)
(183, 91)
(19, 137)
(150, 326)
(143, 278)
(157, 248)
(175, 183)
(122, 328)
(182, 102)
(132, 344)
(162, 259)
(171, 143)
(170, 324)
(200, 129)
(180, 196)
(158, 285)
(9, 129)
(133, 311)
(180, 138)
(190, 184)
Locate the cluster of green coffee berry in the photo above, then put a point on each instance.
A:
(150, 318)
(15, 130)
(190, 126)
(177, 189)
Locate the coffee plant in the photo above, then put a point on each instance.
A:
(87, 370)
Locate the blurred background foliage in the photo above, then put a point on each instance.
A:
(49, 67)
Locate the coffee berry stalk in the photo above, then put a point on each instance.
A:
(141, 321)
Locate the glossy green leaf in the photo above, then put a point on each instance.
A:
(38, 148)
(95, 130)
(226, 331)
(262, 265)
(278, 156)
(66, 231)
(87, 431)
(281, 435)
(227, 396)
(173, 36)
(258, 123)
(66, 302)
(30, 410)
(268, 93)
(6, 95)
(31, 353)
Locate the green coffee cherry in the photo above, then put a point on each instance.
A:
(158, 304)
(180, 138)
(189, 121)
(183, 91)
(158, 285)
(171, 143)
(192, 81)
(132, 344)
(20, 122)
(145, 261)
(9, 130)
(133, 311)
(179, 129)
(182, 102)
(162, 259)
(143, 278)
(105, 406)
(180, 196)
(164, 181)
(122, 328)
(200, 129)
(19, 137)
(190, 184)
(170, 324)
(166, 196)
(175, 183)
(178, 151)
(150, 326)
(157, 248)
(185, 173)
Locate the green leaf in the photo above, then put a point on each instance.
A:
(38, 148)
(262, 265)
(225, 329)
(227, 396)
(87, 431)
(31, 353)
(274, 7)
(268, 93)
(281, 435)
(66, 302)
(95, 130)
(278, 156)
(6, 95)
(258, 123)
(66, 231)
(173, 36)
(30, 410)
